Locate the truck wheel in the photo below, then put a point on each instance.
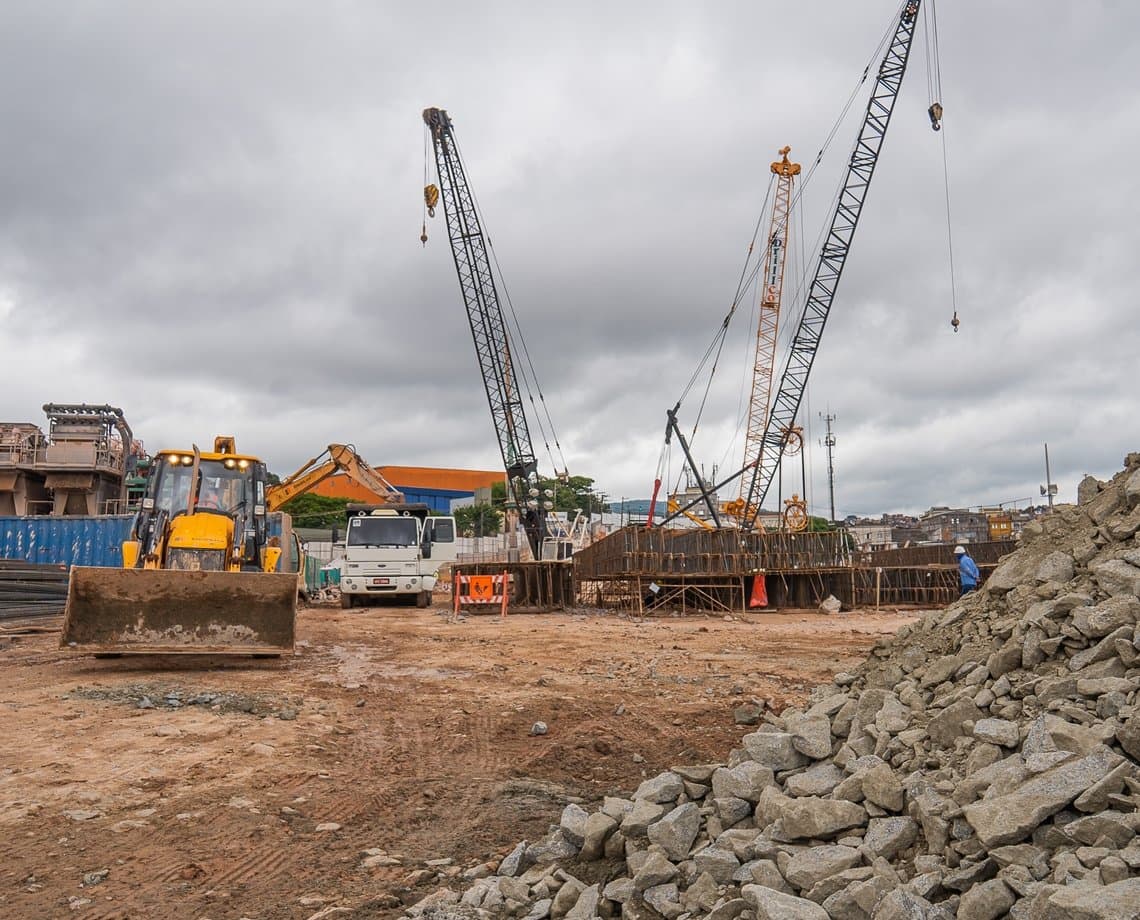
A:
(347, 601)
(423, 599)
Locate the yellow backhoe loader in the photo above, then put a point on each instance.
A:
(199, 572)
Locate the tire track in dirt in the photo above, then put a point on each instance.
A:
(413, 735)
(266, 863)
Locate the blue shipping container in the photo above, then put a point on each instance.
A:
(79, 540)
(65, 540)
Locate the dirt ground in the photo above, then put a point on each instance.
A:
(393, 751)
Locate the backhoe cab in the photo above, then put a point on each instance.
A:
(203, 512)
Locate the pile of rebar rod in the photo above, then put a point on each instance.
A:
(28, 589)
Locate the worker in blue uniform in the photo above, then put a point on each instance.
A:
(968, 573)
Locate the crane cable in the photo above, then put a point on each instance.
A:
(431, 195)
(528, 374)
(934, 91)
(741, 286)
(748, 276)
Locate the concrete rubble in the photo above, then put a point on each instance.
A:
(981, 764)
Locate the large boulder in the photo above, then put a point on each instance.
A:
(952, 721)
(1132, 489)
(1119, 901)
(887, 837)
(1014, 570)
(1107, 617)
(1056, 567)
(811, 735)
(818, 779)
(665, 787)
(744, 781)
(807, 818)
(1011, 817)
(655, 870)
(599, 826)
(775, 750)
(769, 904)
(986, 901)
(811, 866)
(573, 823)
(677, 830)
(1117, 577)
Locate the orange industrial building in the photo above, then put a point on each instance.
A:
(437, 488)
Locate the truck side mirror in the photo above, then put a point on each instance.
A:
(425, 548)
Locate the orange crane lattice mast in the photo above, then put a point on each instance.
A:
(769, 323)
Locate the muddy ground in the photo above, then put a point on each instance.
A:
(393, 750)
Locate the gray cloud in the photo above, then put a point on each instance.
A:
(210, 217)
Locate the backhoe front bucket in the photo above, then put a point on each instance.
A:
(164, 611)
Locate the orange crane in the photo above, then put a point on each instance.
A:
(342, 458)
(767, 327)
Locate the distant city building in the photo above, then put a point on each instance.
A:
(871, 536)
(955, 525)
(1000, 523)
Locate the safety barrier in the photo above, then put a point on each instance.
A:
(480, 590)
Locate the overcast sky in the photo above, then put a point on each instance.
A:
(210, 216)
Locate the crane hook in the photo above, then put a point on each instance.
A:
(431, 198)
(955, 322)
(935, 113)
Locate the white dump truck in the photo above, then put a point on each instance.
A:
(394, 551)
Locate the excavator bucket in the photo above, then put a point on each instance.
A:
(153, 611)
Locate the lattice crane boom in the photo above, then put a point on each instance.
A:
(768, 324)
(833, 254)
(488, 328)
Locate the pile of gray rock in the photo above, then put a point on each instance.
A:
(982, 763)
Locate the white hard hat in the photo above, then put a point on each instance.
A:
(959, 550)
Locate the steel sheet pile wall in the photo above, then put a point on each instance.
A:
(65, 540)
(931, 585)
(791, 551)
(937, 554)
(661, 551)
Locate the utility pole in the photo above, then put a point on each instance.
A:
(829, 442)
(1049, 489)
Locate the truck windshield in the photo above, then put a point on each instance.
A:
(382, 531)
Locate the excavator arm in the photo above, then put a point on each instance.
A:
(342, 458)
(675, 508)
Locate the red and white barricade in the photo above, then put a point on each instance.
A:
(481, 589)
